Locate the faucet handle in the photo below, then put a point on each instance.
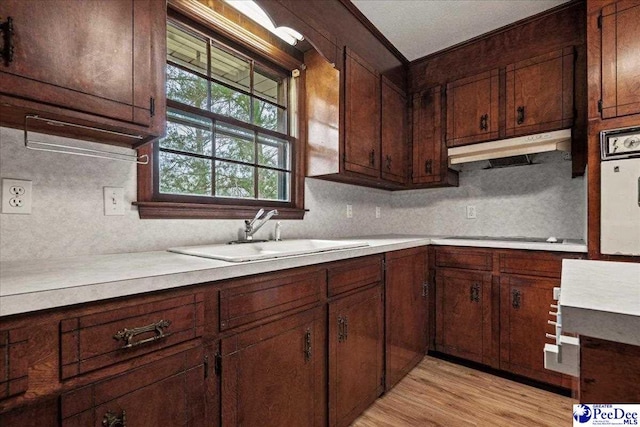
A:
(258, 215)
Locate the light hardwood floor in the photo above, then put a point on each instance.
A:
(440, 393)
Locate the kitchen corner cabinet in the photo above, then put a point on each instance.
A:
(394, 132)
(274, 374)
(362, 116)
(539, 93)
(67, 64)
(406, 321)
(463, 314)
(620, 37)
(473, 109)
(429, 153)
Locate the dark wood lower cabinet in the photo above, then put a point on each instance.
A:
(356, 338)
(274, 374)
(41, 414)
(406, 327)
(463, 314)
(170, 392)
(524, 311)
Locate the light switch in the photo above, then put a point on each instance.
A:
(113, 201)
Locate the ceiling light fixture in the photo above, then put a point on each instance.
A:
(254, 12)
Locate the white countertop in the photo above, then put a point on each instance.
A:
(562, 246)
(32, 285)
(601, 299)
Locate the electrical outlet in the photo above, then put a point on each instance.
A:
(471, 212)
(113, 201)
(377, 211)
(16, 196)
(349, 211)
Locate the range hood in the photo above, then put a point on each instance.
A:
(559, 140)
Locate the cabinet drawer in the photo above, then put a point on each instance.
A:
(97, 340)
(252, 300)
(167, 392)
(472, 259)
(353, 274)
(534, 264)
(13, 362)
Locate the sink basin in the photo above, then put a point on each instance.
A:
(266, 250)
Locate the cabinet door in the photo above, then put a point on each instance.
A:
(620, 60)
(540, 93)
(356, 338)
(41, 414)
(472, 109)
(428, 146)
(362, 117)
(406, 307)
(463, 314)
(274, 375)
(394, 133)
(524, 311)
(88, 56)
(169, 391)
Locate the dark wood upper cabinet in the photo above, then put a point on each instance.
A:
(87, 62)
(463, 314)
(356, 339)
(472, 109)
(539, 93)
(620, 60)
(394, 132)
(274, 375)
(362, 116)
(429, 153)
(406, 321)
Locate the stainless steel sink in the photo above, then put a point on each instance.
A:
(267, 250)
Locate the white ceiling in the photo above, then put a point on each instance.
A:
(420, 27)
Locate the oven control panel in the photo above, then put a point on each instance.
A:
(620, 143)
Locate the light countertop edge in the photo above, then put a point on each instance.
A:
(601, 299)
(28, 286)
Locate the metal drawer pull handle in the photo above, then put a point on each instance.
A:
(516, 298)
(474, 293)
(112, 420)
(127, 335)
(7, 39)
(372, 158)
(340, 329)
(484, 122)
(520, 119)
(307, 345)
(346, 328)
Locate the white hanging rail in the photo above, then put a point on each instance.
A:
(79, 151)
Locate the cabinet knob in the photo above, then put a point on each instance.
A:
(520, 119)
(7, 38)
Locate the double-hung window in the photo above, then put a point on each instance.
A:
(228, 135)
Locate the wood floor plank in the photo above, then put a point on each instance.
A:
(440, 393)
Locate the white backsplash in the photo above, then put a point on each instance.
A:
(67, 214)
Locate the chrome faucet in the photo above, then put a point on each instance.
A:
(250, 226)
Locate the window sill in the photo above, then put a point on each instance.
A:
(171, 210)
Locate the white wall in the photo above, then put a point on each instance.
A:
(67, 217)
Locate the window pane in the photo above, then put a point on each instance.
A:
(184, 174)
(230, 103)
(186, 49)
(234, 143)
(270, 88)
(230, 69)
(273, 185)
(273, 152)
(187, 133)
(185, 87)
(233, 180)
(269, 116)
